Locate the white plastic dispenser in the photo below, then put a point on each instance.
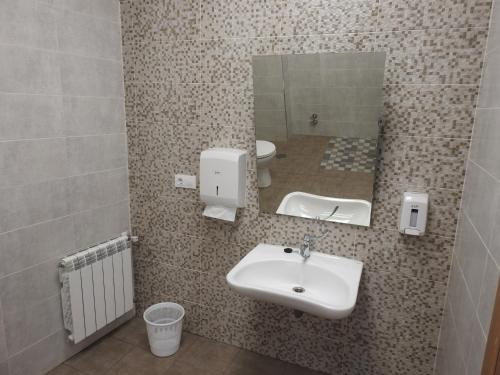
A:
(223, 182)
(413, 215)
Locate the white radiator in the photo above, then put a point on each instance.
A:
(97, 287)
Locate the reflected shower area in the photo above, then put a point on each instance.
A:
(321, 112)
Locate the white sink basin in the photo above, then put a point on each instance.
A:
(270, 274)
(350, 211)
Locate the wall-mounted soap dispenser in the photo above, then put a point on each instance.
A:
(223, 182)
(413, 214)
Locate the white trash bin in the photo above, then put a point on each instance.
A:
(164, 324)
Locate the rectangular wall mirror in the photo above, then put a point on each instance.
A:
(317, 125)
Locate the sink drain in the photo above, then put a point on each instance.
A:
(298, 289)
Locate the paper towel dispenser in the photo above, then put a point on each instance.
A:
(223, 181)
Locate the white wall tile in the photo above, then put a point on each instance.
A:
(36, 244)
(93, 116)
(3, 344)
(29, 204)
(488, 294)
(477, 347)
(486, 139)
(29, 71)
(28, 324)
(83, 35)
(85, 154)
(98, 189)
(37, 196)
(30, 116)
(101, 224)
(33, 26)
(26, 162)
(471, 255)
(109, 9)
(489, 95)
(84, 76)
(25, 289)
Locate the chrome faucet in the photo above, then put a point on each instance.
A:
(306, 247)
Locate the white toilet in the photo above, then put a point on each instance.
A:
(265, 154)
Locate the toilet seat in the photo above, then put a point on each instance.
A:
(265, 149)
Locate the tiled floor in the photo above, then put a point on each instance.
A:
(126, 352)
(301, 170)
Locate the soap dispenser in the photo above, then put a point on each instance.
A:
(413, 214)
(223, 182)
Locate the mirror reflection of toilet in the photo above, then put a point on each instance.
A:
(266, 151)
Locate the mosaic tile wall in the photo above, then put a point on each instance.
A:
(189, 86)
(476, 258)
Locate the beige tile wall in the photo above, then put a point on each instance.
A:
(189, 86)
(63, 163)
(475, 270)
